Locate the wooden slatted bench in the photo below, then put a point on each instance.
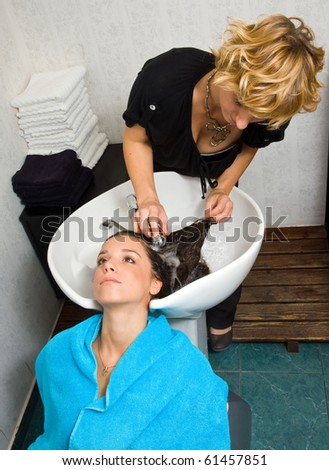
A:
(285, 297)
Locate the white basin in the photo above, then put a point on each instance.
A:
(73, 250)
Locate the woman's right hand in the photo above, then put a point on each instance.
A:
(150, 218)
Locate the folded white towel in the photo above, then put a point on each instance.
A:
(54, 115)
(52, 129)
(61, 115)
(62, 108)
(52, 87)
(73, 144)
(55, 147)
(96, 151)
(67, 136)
(88, 142)
(88, 159)
(86, 150)
(88, 146)
(98, 154)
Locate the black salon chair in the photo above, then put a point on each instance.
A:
(239, 415)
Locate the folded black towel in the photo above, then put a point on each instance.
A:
(49, 190)
(70, 196)
(45, 170)
(52, 180)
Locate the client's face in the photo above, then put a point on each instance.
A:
(124, 273)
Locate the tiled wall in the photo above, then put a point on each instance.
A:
(113, 38)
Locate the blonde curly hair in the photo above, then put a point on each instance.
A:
(271, 67)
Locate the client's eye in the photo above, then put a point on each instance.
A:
(101, 261)
(128, 259)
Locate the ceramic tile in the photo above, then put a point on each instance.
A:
(226, 360)
(289, 410)
(233, 380)
(324, 349)
(326, 383)
(274, 357)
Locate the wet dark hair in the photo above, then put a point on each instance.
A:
(159, 267)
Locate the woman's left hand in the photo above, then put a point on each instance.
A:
(218, 206)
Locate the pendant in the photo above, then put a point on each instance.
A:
(220, 133)
(105, 371)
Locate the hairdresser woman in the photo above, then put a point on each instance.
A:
(205, 115)
(124, 380)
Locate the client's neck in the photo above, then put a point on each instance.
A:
(120, 327)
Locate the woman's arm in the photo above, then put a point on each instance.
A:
(218, 204)
(138, 157)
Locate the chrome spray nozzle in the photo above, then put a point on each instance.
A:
(131, 202)
(159, 241)
(132, 205)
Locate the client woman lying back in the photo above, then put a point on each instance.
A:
(126, 380)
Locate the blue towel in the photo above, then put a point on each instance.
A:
(162, 394)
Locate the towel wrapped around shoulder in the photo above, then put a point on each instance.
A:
(162, 394)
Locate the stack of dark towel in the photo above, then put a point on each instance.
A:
(52, 180)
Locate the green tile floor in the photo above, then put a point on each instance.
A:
(287, 392)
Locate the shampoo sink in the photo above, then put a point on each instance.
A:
(230, 248)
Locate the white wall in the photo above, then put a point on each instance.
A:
(113, 38)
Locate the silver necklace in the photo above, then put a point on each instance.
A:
(106, 369)
(221, 132)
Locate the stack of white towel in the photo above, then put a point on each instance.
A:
(54, 115)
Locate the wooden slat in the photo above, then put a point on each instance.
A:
(285, 294)
(286, 277)
(281, 331)
(282, 312)
(312, 245)
(292, 233)
(300, 260)
(70, 315)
